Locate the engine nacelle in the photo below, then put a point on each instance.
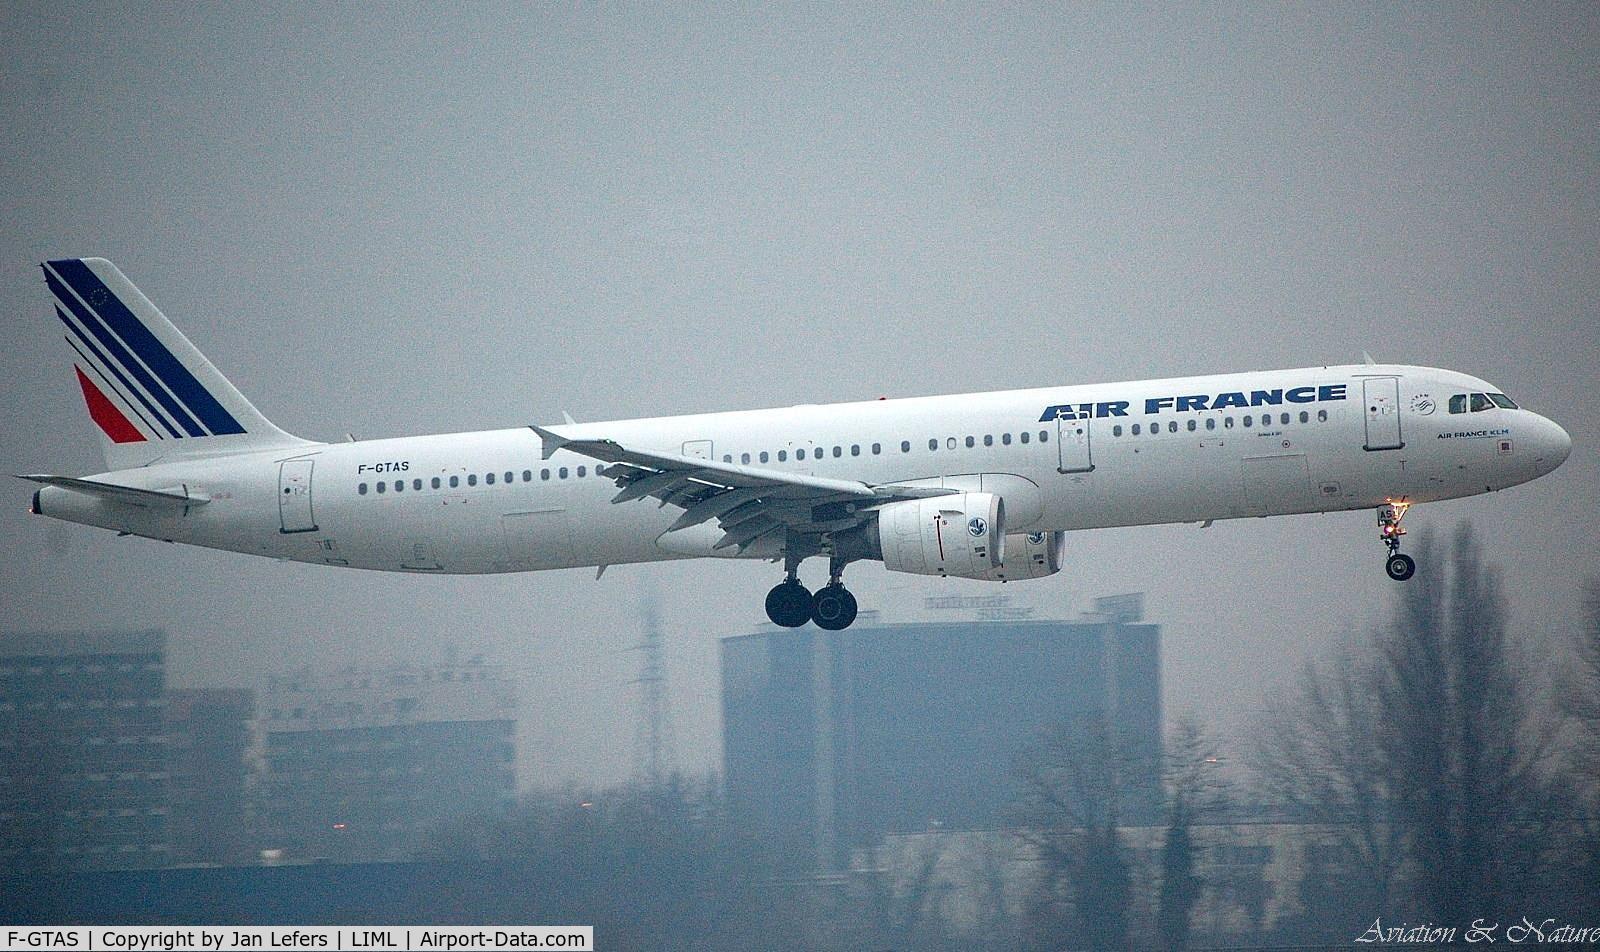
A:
(961, 535)
(1028, 555)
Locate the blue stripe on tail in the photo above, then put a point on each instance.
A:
(195, 397)
(121, 356)
(103, 362)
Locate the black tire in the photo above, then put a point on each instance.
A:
(1400, 567)
(833, 608)
(789, 605)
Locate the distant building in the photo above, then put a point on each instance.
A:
(209, 743)
(365, 764)
(83, 765)
(834, 739)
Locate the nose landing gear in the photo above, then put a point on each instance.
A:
(1399, 567)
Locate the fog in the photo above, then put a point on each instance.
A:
(385, 220)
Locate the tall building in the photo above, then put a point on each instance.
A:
(83, 765)
(366, 764)
(209, 747)
(833, 739)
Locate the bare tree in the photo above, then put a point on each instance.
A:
(1580, 707)
(1074, 788)
(1318, 753)
(1461, 756)
(1194, 791)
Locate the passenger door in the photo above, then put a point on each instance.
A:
(1073, 442)
(1381, 402)
(294, 496)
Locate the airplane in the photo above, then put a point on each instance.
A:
(978, 486)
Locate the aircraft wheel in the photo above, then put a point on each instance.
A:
(1400, 567)
(789, 604)
(833, 608)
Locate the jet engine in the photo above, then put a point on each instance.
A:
(1028, 555)
(961, 535)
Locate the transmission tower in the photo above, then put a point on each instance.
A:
(653, 742)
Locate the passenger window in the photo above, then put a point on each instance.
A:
(381, 487)
(1284, 419)
(544, 474)
(727, 457)
(581, 472)
(1227, 423)
(361, 490)
(1005, 439)
(527, 475)
(1480, 402)
(905, 446)
(1172, 426)
(455, 481)
(744, 458)
(509, 478)
(933, 445)
(416, 484)
(1211, 423)
(1116, 430)
(1192, 426)
(1248, 419)
(1322, 416)
(988, 439)
(783, 456)
(1136, 429)
(855, 449)
(472, 479)
(877, 448)
(434, 482)
(399, 485)
(1044, 436)
(1023, 436)
(763, 456)
(799, 454)
(489, 479)
(1458, 403)
(971, 442)
(838, 452)
(950, 443)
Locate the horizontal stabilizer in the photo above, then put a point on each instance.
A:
(178, 497)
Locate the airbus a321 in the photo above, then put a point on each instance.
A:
(978, 486)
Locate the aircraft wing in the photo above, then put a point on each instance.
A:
(748, 502)
(158, 498)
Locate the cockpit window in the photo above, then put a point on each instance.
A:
(1503, 401)
(1458, 403)
(1480, 401)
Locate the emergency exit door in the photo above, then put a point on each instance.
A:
(1381, 403)
(294, 496)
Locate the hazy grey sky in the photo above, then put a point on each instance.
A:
(388, 220)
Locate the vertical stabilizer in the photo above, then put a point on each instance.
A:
(151, 393)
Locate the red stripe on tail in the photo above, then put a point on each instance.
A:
(105, 413)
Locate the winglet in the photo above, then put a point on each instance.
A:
(552, 441)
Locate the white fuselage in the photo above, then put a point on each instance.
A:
(1063, 458)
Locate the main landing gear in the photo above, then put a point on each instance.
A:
(833, 608)
(1400, 567)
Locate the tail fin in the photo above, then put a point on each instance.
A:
(153, 394)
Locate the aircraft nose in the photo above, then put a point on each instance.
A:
(1555, 444)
